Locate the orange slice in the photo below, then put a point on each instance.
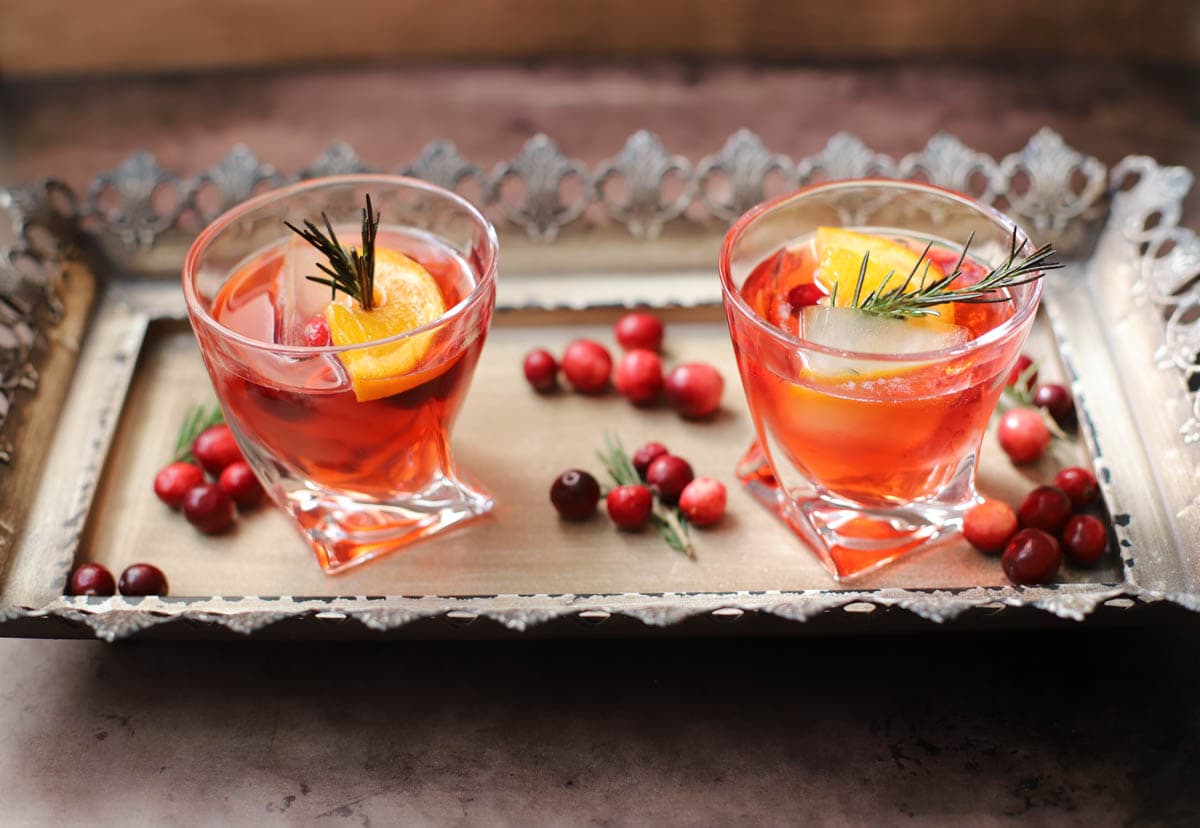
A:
(406, 297)
(839, 261)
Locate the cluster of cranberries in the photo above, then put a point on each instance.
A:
(136, 579)
(693, 389)
(1050, 522)
(209, 506)
(701, 500)
(1022, 432)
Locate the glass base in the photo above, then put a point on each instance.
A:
(849, 541)
(346, 531)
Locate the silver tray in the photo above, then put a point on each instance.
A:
(87, 278)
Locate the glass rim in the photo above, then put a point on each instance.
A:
(733, 297)
(223, 221)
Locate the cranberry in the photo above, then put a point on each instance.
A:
(703, 501)
(541, 369)
(1023, 435)
(1085, 538)
(639, 375)
(1079, 484)
(639, 330)
(316, 332)
(575, 494)
(215, 448)
(1023, 364)
(668, 475)
(587, 365)
(1058, 403)
(238, 481)
(143, 579)
(989, 526)
(630, 507)
(208, 508)
(92, 579)
(643, 457)
(174, 481)
(1031, 557)
(1046, 508)
(694, 389)
(801, 296)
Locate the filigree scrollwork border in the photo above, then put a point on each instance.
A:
(1050, 185)
(1146, 215)
(42, 219)
(112, 619)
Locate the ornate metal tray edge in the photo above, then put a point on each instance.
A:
(1035, 183)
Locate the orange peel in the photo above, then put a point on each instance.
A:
(839, 261)
(406, 297)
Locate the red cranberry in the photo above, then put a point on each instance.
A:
(541, 369)
(587, 366)
(208, 508)
(1079, 484)
(238, 481)
(694, 389)
(1022, 365)
(316, 332)
(639, 376)
(1085, 538)
(1058, 403)
(639, 330)
(643, 457)
(630, 507)
(989, 526)
(1046, 508)
(174, 481)
(1023, 435)
(143, 579)
(801, 296)
(1031, 557)
(703, 501)
(92, 579)
(575, 494)
(215, 448)
(668, 475)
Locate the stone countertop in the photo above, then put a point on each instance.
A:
(1082, 727)
(1089, 726)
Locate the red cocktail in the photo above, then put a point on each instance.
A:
(344, 407)
(871, 383)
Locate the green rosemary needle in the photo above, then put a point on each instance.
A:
(899, 302)
(350, 271)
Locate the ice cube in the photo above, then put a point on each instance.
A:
(848, 329)
(296, 297)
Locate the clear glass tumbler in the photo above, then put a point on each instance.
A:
(352, 442)
(868, 455)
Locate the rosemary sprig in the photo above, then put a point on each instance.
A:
(669, 522)
(350, 271)
(197, 418)
(899, 302)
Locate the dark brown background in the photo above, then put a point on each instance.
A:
(69, 36)
(1086, 726)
